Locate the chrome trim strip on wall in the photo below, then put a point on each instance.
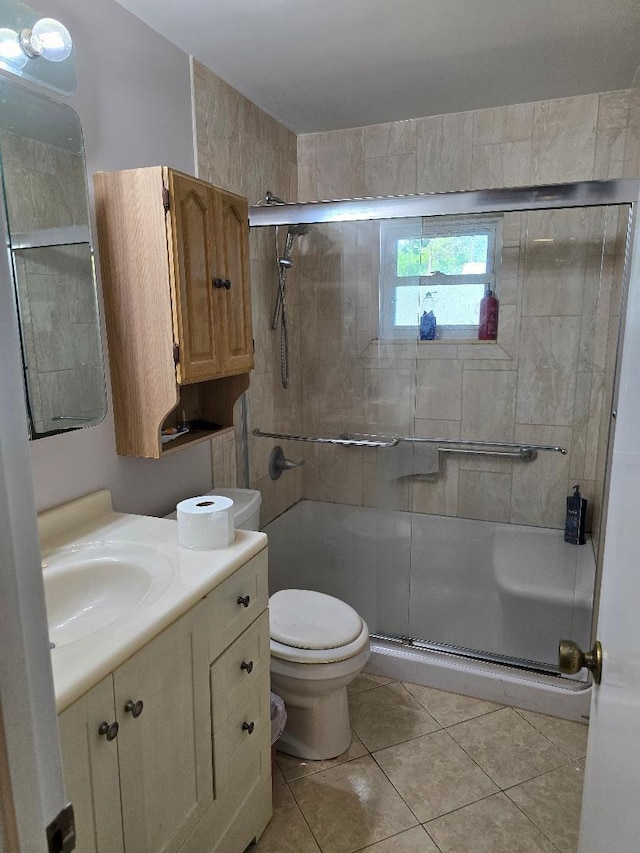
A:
(580, 194)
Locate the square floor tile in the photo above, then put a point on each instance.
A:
(567, 735)
(287, 831)
(388, 715)
(434, 775)
(365, 681)
(276, 775)
(351, 806)
(508, 748)
(295, 768)
(413, 840)
(494, 825)
(450, 708)
(554, 802)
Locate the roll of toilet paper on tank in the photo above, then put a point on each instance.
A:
(205, 522)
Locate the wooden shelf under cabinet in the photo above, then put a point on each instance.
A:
(174, 261)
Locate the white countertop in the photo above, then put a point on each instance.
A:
(80, 665)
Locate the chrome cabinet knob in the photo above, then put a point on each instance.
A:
(244, 600)
(109, 730)
(247, 665)
(248, 727)
(134, 708)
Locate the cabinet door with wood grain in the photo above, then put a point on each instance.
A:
(196, 308)
(231, 262)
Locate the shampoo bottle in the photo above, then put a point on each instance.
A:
(488, 325)
(427, 319)
(574, 531)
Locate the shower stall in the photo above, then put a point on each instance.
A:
(438, 456)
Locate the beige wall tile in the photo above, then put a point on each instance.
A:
(484, 495)
(444, 152)
(488, 405)
(501, 164)
(439, 389)
(547, 371)
(564, 136)
(503, 124)
(538, 492)
(392, 138)
(340, 164)
(390, 175)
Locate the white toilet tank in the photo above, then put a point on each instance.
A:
(246, 507)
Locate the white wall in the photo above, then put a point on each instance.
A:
(134, 102)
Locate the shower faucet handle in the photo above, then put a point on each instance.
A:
(278, 463)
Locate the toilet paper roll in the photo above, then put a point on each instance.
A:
(205, 522)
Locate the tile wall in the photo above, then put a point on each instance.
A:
(549, 378)
(45, 187)
(241, 148)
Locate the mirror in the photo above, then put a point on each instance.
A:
(45, 217)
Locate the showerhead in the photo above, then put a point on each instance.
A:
(299, 230)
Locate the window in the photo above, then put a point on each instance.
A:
(441, 264)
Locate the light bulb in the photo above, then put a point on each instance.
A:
(12, 56)
(47, 38)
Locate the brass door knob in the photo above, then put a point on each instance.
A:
(571, 659)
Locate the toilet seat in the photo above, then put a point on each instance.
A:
(311, 627)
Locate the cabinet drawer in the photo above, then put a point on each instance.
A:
(234, 605)
(241, 668)
(240, 737)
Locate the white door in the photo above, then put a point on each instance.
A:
(611, 801)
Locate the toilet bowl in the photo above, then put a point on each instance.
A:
(318, 646)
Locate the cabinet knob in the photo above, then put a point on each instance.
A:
(244, 600)
(248, 727)
(227, 284)
(218, 283)
(248, 666)
(134, 708)
(110, 730)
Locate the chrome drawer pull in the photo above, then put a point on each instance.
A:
(244, 600)
(248, 727)
(247, 666)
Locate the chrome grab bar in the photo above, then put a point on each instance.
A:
(71, 418)
(345, 442)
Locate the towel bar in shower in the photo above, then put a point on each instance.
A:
(344, 442)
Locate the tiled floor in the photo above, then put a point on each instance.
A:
(430, 771)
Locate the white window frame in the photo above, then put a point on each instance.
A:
(407, 229)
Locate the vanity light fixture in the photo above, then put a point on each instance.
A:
(48, 39)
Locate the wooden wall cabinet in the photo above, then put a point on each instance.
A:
(192, 772)
(174, 257)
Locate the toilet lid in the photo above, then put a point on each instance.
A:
(304, 619)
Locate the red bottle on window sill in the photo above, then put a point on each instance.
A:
(488, 325)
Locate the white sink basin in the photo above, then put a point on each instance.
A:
(92, 586)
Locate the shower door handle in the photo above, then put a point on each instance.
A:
(571, 659)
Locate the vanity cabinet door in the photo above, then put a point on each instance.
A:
(90, 767)
(232, 256)
(165, 751)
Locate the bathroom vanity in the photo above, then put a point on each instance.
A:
(163, 710)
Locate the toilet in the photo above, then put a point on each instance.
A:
(318, 646)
